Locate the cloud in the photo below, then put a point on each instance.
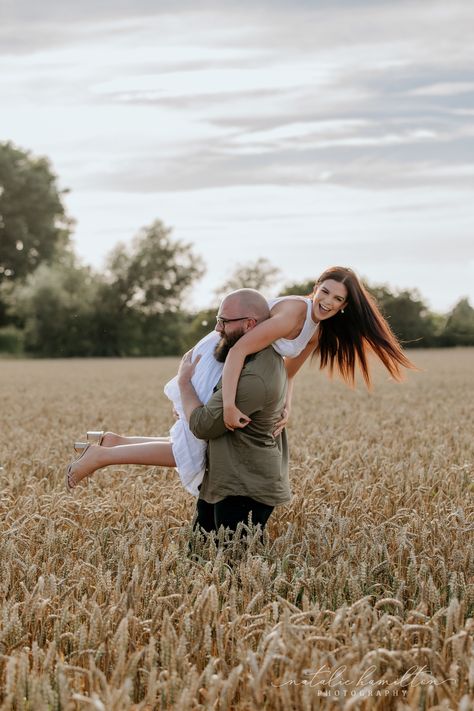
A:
(445, 89)
(299, 25)
(366, 163)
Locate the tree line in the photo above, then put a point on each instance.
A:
(52, 305)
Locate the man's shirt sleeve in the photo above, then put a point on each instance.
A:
(207, 422)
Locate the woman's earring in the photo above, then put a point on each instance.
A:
(342, 311)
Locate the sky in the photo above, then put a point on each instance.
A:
(311, 133)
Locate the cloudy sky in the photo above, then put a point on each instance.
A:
(310, 132)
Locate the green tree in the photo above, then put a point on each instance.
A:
(409, 317)
(116, 329)
(141, 298)
(201, 324)
(459, 328)
(56, 304)
(299, 288)
(260, 275)
(154, 274)
(164, 334)
(134, 309)
(34, 226)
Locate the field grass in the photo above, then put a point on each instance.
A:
(361, 598)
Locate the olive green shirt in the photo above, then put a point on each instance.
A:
(249, 461)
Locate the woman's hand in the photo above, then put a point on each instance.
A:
(234, 418)
(281, 424)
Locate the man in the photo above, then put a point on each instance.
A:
(247, 470)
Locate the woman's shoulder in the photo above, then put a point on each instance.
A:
(288, 304)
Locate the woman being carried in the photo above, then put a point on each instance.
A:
(340, 322)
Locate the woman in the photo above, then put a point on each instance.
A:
(339, 322)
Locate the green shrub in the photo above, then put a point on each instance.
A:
(11, 340)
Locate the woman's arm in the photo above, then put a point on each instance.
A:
(262, 335)
(292, 367)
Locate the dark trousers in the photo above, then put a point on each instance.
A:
(230, 512)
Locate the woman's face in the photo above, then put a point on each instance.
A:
(329, 298)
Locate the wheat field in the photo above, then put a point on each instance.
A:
(361, 596)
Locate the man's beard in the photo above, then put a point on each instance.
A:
(225, 344)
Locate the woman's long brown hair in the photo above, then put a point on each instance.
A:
(346, 338)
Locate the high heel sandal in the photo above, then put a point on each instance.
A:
(85, 446)
(80, 446)
(93, 437)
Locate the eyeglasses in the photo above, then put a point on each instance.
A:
(222, 321)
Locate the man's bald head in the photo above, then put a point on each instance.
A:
(239, 312)
(250, 302)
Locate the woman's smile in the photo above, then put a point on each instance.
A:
(335, 292)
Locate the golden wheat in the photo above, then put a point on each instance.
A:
(361, 597)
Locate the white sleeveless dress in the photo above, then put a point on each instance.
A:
(188, 451)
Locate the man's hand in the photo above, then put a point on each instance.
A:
(189, 398)
(187, 367)
(281, 424)
(234, 418)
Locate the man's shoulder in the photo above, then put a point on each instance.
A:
(259, 363)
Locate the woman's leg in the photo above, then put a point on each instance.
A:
(154, 453)
(111, 439)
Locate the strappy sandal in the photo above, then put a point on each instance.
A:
(80, 446)
(95, 437)
(67, 482)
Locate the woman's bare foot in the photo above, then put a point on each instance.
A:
(105, 439)
(85, 465)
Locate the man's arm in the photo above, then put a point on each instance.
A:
(189, 397)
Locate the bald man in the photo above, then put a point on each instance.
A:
(247, 469)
